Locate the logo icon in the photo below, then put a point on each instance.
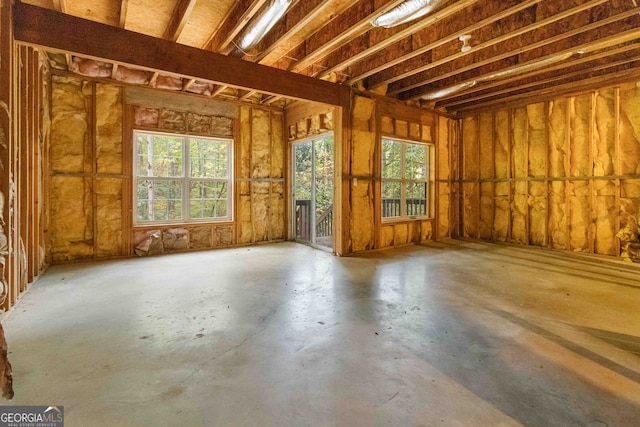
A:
(32, 416)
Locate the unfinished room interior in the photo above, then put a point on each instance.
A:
(321, 212)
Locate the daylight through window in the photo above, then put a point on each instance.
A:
(181, 178)
(405, 179)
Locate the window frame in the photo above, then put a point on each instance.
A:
(185, 179)
(403, 180)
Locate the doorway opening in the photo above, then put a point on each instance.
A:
(313, 172)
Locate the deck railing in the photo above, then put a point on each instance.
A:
(392, 207)
(324, 223)
(303, 219)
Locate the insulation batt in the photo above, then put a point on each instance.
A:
(174, 239)
(199, 124)
(147, 242)
(174, 120)
(200, 238)
(201, 88)
(223, 236)
(221, 125)
(169, 82)
(90, 68)
(6, 376)
(147, 117)
(129, 75)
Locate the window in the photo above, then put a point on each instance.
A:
(181, 178)
(405, 179)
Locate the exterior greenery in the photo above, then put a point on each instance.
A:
(405, 177)
(322, 148)
(180, 178)
(313, 170)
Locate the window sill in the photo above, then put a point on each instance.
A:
(385, 221)
(149, 226)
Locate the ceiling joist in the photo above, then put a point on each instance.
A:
(391, 56)
(179, 19)
(334, 40)
(591, 34)
(387, 42)
(122, 14)
(354, 22)
(238, 17)
(300, 15)
(507, 85)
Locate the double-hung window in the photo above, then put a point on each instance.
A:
(405, 179)
(182, 178)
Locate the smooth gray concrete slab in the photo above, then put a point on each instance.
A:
(447, 334)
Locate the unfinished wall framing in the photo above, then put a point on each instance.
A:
(154, 239)
(562, 174)
(371, 119)
(260, 176)
(88, 178)
(24, 133)
(420, 128)
(304, 121)
(259, 213)
(91, 170)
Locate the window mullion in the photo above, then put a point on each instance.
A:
(427, 180)
(403, 185)
(186, 174)
(229, 180)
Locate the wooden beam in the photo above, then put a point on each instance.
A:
(452, 70)
(562, 79)
(60, 5)
(387, 42)
(34, 25)
(465, 99)
(417, 85)
(7, 139)
(347, 26)
(616, 169)
(218, 90)
(268, 100)
(124, 4)
(300, 15)
(186, 85)
(391, 71)
(154, 78)
(238, 17)
(418, 50)
(24, 140)
(248, 94)
(179, 18)
(555, 92)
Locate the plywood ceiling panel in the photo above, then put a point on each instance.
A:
(150, 17)
(203, 20)
(104, 11)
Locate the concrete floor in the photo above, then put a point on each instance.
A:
(448, 334)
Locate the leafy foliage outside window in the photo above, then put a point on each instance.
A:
(405, 177)
(181, 178)
(322, 148)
